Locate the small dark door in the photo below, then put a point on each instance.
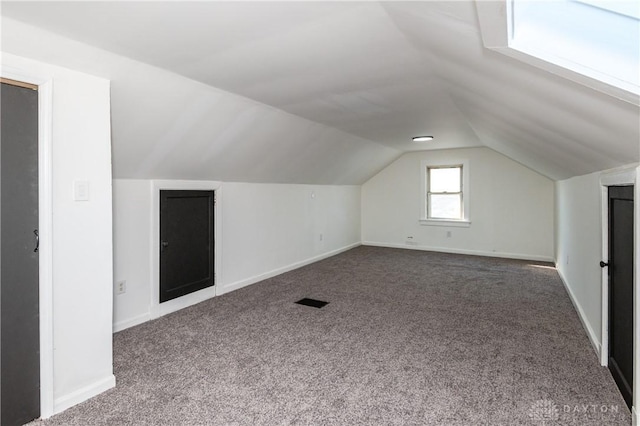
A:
(186, 242)
(621, 288)
(19, 310)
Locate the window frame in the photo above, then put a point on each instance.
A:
(430, 193)
(464, 221)
(497, 28)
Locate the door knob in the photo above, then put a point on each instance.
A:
(35, 232)
(164, 244)
(603, 264)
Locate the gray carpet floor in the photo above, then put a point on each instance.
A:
(408, 338)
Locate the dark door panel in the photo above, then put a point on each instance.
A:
(19, 310)
(186, 242)
(621, 288)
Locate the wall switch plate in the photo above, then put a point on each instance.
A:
(81, 190)
(121, 287)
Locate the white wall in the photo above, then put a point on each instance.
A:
(166, 126)
(579, 247)
(269, 227)
(81, 234)
(266, 229)
(132, 250)
(581, 242)
(511, 207)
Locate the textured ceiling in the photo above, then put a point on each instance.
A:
(356, 80)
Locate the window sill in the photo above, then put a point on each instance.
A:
(445, 222)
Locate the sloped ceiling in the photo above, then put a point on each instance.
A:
(320, 92)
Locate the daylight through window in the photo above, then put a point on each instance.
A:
(596, 38)
(444, 192)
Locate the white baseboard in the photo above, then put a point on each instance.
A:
(518, 256)
(82, 394)
(167, 308)
(595, 342)
(634, 417)
(207, 293)
(123, 325)
(252, 280)
(184, 301)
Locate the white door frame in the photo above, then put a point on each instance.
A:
(159, 309)
(623, 176)
(45, 227)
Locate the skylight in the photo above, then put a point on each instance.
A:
(598, 39)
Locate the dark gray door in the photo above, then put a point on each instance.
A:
(621, 288)
(186, 242)
(19, 317)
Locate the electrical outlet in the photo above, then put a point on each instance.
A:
(410, 241)
(448, 234)
(321, 237)
(121, 287)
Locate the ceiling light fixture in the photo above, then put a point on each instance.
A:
(422, 138)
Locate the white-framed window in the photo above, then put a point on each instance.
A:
(445, 194)
(596, 38)
(591, 42)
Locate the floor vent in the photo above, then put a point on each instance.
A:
(312, 302)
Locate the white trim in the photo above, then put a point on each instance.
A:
(519, 256)
(84, 393)
(621, 176)
(131, 322)
(625, 175)
(158, 309)
(445, 222)
(187, 300)
(604, 275)
(634, 416)
(591, 82)
(45, 226)
(636, 301)
(252, 280)
(466, 191)
(593, 338)
(593, 79)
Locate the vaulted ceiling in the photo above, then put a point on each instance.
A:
(316, 92)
